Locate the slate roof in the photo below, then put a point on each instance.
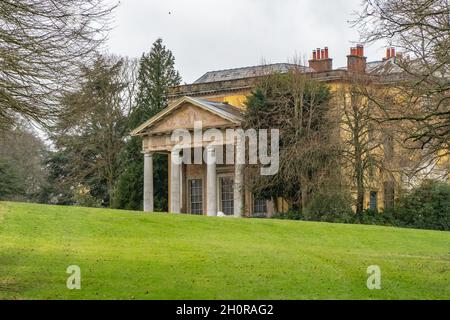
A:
(249, 72)
(381, 67)
(373, 67)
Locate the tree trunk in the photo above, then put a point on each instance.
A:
(360, 200)
(359, 185)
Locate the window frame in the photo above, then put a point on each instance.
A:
(220, 190)
(189, 189)
(371, 206)
(260, 214)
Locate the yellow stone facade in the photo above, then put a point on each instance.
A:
(198, 102)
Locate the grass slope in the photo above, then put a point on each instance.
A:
(126, 255)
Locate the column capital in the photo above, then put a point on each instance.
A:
(210, 155)
(176, 157)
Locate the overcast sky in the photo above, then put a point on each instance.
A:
(207, 35)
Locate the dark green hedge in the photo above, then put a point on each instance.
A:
(425, 207)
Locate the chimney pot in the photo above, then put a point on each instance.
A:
(356, 62)
(392, 52)
(360, 49)
(388, 53)
(321, 61)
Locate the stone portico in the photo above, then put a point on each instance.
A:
(200, 185)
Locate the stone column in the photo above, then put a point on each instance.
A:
(175, 182)
(239, 166)
(148, 182)
(238, 190)
(211, 175)
(271, 208)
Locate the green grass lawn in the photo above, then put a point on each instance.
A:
(126, 255)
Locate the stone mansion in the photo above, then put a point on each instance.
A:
(217, 99)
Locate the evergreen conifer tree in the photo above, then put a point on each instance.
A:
(157, 74)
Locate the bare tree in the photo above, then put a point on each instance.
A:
(366, 145)
(21, 156)
(298, 107)
(421, 87)
(92, 134)
(129, 75)
(42, 44)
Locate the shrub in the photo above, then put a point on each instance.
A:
(425, 207)
(374, 217)
(83, 198)
(330, 207)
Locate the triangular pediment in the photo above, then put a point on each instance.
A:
(185, 112)
(184, 118)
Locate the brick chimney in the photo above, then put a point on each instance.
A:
(321, 61)
(356, 62)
